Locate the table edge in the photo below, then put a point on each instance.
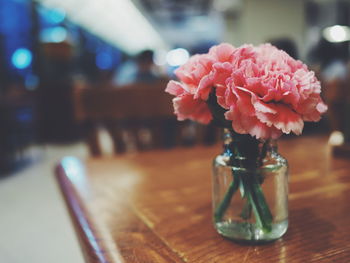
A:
(92, 249)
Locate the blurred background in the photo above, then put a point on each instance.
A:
(74, 75)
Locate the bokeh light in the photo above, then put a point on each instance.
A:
(22, 58)
(177, 57)
(104, 60)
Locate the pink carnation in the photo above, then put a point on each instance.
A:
(265, 92)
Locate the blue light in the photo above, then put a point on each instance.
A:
(104, 60)
(21, 58)
(57, 15)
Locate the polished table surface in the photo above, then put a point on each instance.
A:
(156, 207)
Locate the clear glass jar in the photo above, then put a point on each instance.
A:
(250, 190)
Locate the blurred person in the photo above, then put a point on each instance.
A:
(140, 69)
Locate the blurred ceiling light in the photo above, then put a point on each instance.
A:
(56, 35)
(21, 58)
(118, 22)
(337, 33)
(177, 57)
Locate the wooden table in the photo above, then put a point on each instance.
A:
(156, 207)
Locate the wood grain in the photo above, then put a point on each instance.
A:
(156, 207)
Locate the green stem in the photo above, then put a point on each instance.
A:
(221, 209)
(246, 211)
(258, 202)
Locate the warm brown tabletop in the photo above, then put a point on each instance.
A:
(156, 207)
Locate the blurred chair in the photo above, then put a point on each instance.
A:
(139, 114)
(18, 121)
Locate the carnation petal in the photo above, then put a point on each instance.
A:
(221, 96)
(235, 116)
(255, 127)
(261, 130)
(222, 52)
(194, 69)
(204, 88)
(286, 119)
(262, 107)
(175, 88)
(244, 101)
(186, 107)
(217, 77)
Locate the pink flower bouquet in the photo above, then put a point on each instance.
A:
(263, 91)
(257, 93)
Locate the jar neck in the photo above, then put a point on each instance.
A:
(271, 145)
(246, 151)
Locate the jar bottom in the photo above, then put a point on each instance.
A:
(250, 233)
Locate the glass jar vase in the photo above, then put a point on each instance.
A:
(250, 190)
